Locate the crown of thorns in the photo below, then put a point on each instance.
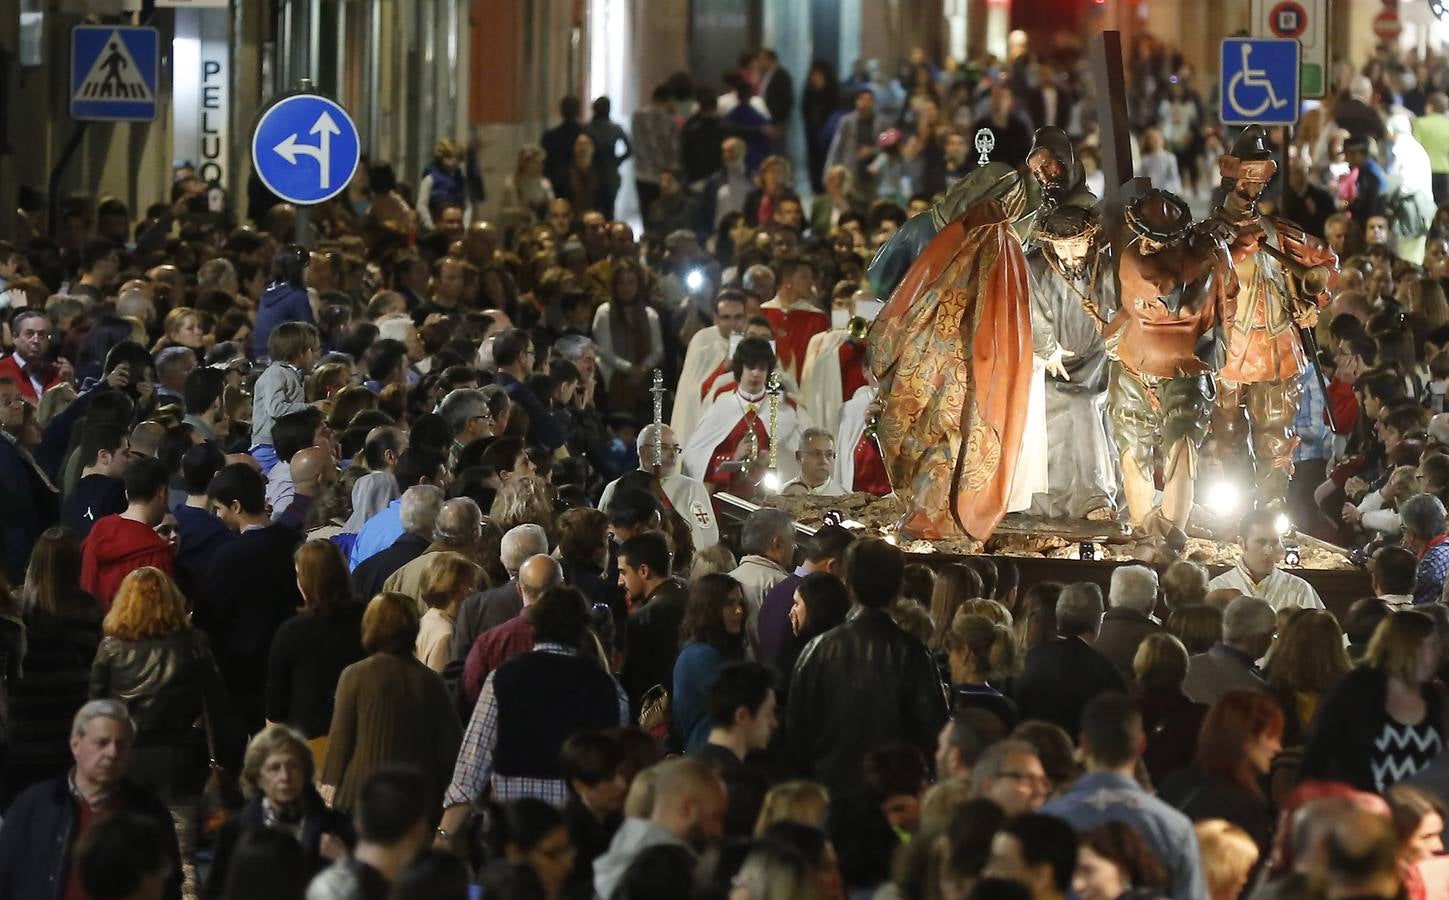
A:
(1065, 223)
(1159, 216)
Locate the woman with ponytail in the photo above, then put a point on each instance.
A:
(981, 651)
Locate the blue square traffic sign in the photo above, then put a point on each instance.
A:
(1259, 83)
(113, 73)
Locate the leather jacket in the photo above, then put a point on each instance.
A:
(856, 688)
(162, 681)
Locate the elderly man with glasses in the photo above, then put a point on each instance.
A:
(687, 496)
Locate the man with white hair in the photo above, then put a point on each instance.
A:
(768, 542)
(816, 460)
(401, 328)
(418, 511)
(688, 496)
(1424, 533)
(1229, 665)
(465, 411)
(457, 527)
(1128, 620)
(495, 606)
(1257, 573)
(47, 821)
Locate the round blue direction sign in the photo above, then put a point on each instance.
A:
(305, 148)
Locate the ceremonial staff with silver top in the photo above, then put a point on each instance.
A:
(658, 391)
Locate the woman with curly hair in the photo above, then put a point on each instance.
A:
(712, 634)
(1113, 861)
(163, 670)
(526, 499)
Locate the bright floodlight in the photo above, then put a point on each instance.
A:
(772, 480)
(1283, 524)
(1224, 498)
(694, 280)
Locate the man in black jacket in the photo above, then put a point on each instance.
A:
(251, 590)
(658, 601)
(864, 684)
(558, 145)
(1061, 675)
(48, 820)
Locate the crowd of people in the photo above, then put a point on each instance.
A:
(385, 566)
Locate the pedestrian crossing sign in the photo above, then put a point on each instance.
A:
(113, 75)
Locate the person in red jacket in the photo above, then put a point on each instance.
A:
(125, 541)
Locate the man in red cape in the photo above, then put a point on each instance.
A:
(952, 349)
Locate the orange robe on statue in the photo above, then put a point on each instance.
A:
(953, 352)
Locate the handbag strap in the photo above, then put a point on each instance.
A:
(205, 706)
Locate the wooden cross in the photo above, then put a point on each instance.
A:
(1116, 143)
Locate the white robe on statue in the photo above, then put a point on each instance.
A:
(690, 499)
(1030, 475)
(722, 417)
(707, 349)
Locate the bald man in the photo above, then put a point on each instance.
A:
(689, 810)
(688, 496)
(313, 471)
(514, 637)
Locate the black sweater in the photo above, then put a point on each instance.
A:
(308, 656)
(249, 592)
(1354, 739)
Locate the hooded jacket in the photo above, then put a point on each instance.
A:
(633, 837)
(281, 302)
(116, 547)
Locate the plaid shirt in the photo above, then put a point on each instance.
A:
(474, 770)
(1433, 565)
(1311, 424)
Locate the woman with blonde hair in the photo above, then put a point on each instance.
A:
(54, 401)
(981, 651)
(163, 670)
(276, 778)
(803, 802)
(448, 579)
(391, 709)
(181, 328)
(1228, 857)
(526, 190)
(1383, 721)
(955, 584)
(526, 499)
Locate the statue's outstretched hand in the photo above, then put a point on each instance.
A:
(1054, 363)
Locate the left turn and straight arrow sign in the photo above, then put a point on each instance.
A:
(305, 148)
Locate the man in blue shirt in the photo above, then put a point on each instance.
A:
(416, 466)
(1112, 741)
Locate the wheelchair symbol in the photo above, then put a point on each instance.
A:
(1253, 78)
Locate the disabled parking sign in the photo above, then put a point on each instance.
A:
(1259, 81)
(305, 148)
(113, 73)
